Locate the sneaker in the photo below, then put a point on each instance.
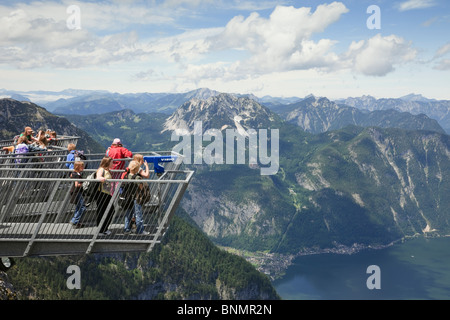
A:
(77, 225)
(106, 233)
(144, 233)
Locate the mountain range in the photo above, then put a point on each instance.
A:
(317, 115)
(414, 104)
(83, 102)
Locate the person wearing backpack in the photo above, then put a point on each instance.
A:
(144, 173)
(71, 156)
(74, 155)
(21, 148)
(135, 206)
(76, 196)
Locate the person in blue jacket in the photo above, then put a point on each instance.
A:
(71, 156)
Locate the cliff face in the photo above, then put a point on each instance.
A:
(219, 215)
(251, 292)
(7, 291)
(365, 186)
(224, 292)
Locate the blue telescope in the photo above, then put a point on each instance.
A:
(156, 160)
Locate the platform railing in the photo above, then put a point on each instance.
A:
(37, 206)
(57, 159)
(61, 143)
(57, 152)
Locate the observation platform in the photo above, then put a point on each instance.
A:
(35, 206)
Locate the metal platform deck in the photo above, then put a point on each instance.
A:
(35, 207)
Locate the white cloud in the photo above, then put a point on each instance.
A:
(19, 28)
(283, 41)
(379, 55)
(443, 50)
(36, 35)
(191, 3)
(289, 23)
(96, 15)
(252, 47)
(31, 42)
(416, 4)
(442, 64)
(28, 42)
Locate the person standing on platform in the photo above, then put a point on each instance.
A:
(104, 195)
(117, 151)
(76, 196)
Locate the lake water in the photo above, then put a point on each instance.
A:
(415, 269)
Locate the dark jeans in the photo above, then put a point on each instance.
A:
(103, 201)
(80, 208)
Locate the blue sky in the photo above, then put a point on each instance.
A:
(277, 48)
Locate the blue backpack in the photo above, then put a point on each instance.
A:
(20, 149)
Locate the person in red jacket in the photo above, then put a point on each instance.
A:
(117, 151)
